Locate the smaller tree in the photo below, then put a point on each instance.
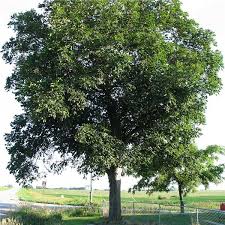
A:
(190, 168)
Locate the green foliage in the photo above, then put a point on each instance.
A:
(28, 216)
(190, 168)
(83, 212)
(161, 197)
(9, 222)
(31, 216)
(102, 81)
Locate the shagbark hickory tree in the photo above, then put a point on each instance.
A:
(104, 82)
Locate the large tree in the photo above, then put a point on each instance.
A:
(188, 169)
(104, 82)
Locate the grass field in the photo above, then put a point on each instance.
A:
(203, 199)
(4, 188)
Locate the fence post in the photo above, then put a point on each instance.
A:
(103, 207)
(159, 214)
(133, 209)
(197, 219)
(105, 210)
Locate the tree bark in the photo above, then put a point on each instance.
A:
(181, 198)
(114, 194)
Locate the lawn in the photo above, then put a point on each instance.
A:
(202, 199)
(80, 220)
(84, 216)
(164, 219)
(138, 219)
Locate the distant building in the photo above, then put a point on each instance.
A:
(44, 182)
(78, 188)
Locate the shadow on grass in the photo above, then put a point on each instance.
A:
(81, 220)
(138, 219)
(166, 219)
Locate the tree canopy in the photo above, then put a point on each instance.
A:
(105, 82)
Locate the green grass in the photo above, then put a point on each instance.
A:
(80, 220)
(202, 199)
(164, 219)
(4, 188)
(139, 219)
(28, 216)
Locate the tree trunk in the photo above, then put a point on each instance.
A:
(114, 176)
(181, 198)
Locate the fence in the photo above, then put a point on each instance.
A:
(162, 214)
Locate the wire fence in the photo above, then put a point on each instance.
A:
(162, 214)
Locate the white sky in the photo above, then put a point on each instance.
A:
(209, 13)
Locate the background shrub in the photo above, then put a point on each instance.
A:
(28, 216)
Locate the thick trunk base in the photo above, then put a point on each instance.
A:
(182, 207)
(181, 198)
(114, 195)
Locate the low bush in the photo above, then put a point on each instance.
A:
(34, 216)
(83, 212)
(10, 222)
(161, 197)
(27, 216)
(173, 196)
